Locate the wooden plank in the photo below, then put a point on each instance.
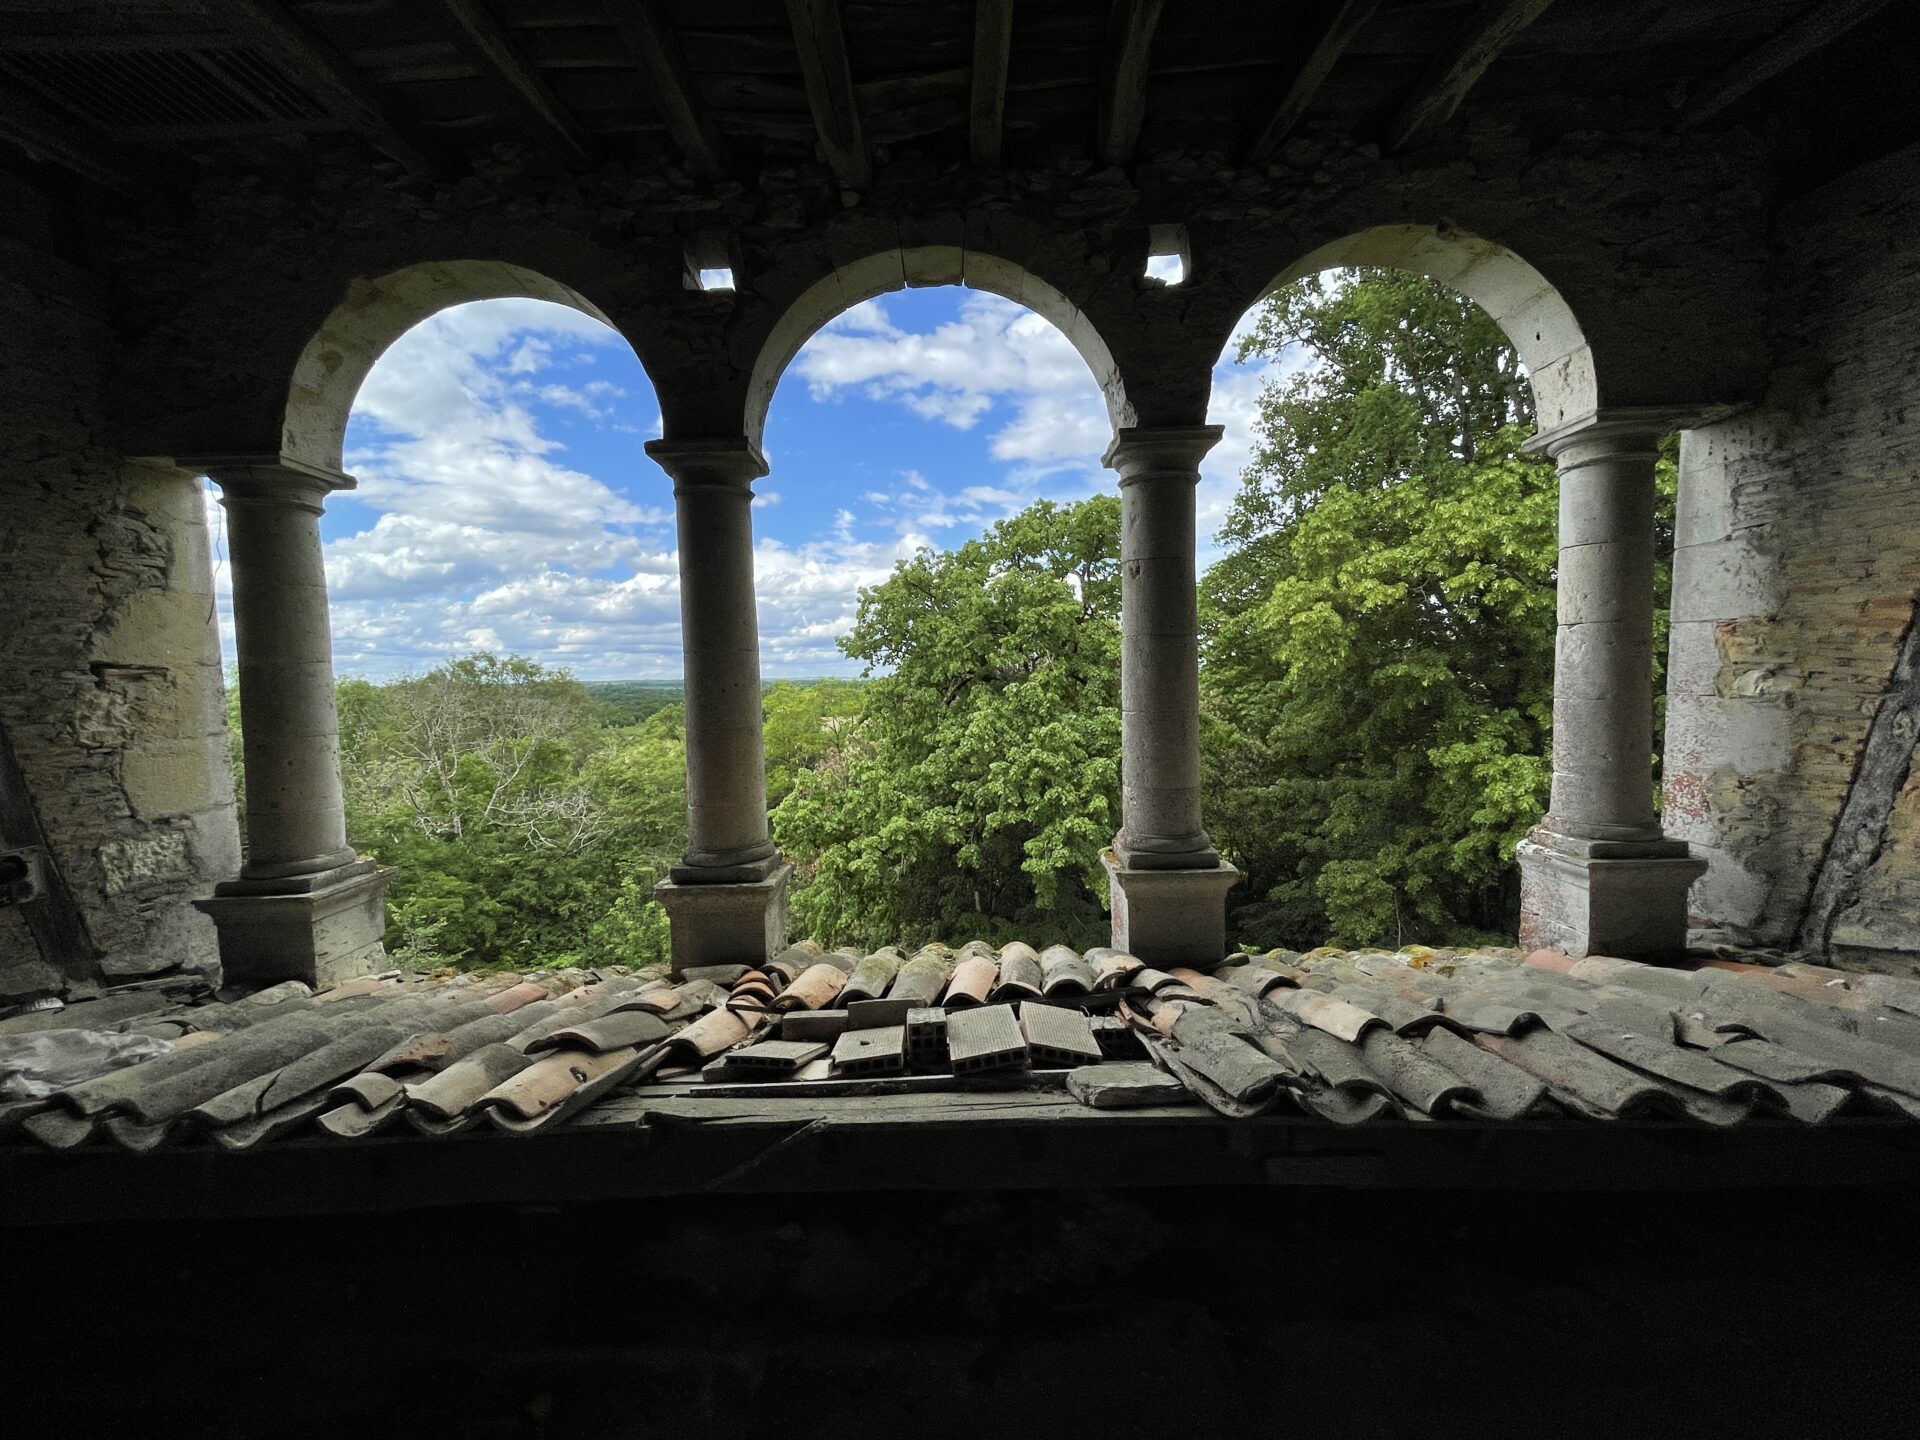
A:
(340, 90)
(822, 44)
(1123, 86)
(987, 113)
(1458, 68)
(1341, 26)
(1780, 51)
(488, 44)
(656, 53)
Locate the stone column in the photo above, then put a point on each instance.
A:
(1168, 883)
(727, 899)
(304, 905)
(1597, 875)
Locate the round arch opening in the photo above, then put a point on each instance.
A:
(377, 312)
(1525, 305)
(920, 268)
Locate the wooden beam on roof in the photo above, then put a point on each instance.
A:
(58, 141)
(1813, 31)
(1458, 68)
(992, 45)
(1345, 22)
(656, 53)
(822, 43)
(1123, 85)
(486, 41)
(340, 90)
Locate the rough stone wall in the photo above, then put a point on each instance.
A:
(112, 717)
(1634, 228)
(1792, 691)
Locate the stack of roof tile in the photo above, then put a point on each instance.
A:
(1347, 1037)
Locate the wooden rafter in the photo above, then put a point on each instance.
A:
(822, 43)
(340, 90)
(656, 53)
(486, 41)
(1341, 26)
(58, 141)
(992, 45)
(1812, 31)
(1458, 68)
(1123, 85)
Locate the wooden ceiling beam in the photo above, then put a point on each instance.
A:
(1458, 68)
(1123, 85)
(992, 47)
(340, 90)
(1342, 24)
(822, 42)
(55, 140)
(487, 43)
(1786, 48)
(656, 53)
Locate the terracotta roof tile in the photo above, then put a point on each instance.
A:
(1346, 1037)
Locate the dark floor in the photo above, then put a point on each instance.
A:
(1165, 1313)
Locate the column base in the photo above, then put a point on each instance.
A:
(326, 930)
(1170, 917)
(1598, 897)
(726, 924)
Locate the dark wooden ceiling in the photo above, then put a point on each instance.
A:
(724, 87)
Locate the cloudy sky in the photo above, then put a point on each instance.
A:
(505, 502)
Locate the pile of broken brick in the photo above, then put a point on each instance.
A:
(1416, 1035)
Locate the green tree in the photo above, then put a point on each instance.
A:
(1379, 641)
(521, 830)
(974, 791)
(803, 720)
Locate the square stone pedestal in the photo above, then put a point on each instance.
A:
(736, 923)
(1596, 897)
(323, 934)
(1170, 917)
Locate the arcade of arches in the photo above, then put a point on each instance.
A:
(1652, 277)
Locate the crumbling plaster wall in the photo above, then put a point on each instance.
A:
(111, 705)
(1792, 677)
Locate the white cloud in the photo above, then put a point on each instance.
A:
(958, 372)
(485, 536)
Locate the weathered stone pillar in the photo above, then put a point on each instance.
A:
(1597, 875)
(1168, 883)
(304, 906)
(727, 899)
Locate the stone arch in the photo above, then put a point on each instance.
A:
(375, 313)
(1522, 301)
(920, 267)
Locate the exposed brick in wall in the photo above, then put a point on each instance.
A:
(1796, 575)
(111, 705)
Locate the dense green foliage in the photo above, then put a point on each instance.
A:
(628, 702)
(522, 828)
(1376, 690)
(1378, 669)
(980, 780)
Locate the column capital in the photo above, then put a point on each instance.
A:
(271, 479)
(1620, 430)
(729, 461)
(1141, 450)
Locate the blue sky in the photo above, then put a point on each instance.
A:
(506, 502)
